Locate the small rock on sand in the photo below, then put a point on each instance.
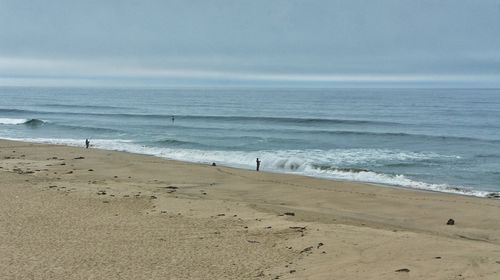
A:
(300, 229)
(450, 222)
(306, 249)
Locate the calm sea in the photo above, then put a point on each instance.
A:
(437, 139)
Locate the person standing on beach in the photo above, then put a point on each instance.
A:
(87, 143)
(258, 164)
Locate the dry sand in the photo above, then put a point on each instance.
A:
(73, 213)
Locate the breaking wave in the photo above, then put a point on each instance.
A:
(29, 122)
(338, 164)
(12, 121)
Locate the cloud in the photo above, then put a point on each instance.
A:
(226, 41)
(83, 72)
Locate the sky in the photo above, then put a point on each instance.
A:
(261, 43)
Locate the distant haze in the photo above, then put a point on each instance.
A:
(314, 43)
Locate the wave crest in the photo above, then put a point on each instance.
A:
(290, 161)
(29, 122)
(9, 121)
(34, 122)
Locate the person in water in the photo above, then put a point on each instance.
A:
(87, 143)
(173, 119)
(258, 164)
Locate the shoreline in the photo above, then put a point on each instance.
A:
(75, 213)
(447, 189)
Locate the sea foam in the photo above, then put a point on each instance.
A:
(12, 121)
(30, 122)
(314, 163)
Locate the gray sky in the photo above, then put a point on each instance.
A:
(318, 43)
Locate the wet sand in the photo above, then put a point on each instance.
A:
(75, 213)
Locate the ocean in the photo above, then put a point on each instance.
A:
(444, 140)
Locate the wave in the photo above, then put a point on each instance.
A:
(305, 125)
(212, 142)
(12, 121)
(490, 155)
(4, 110)
(177, 143)
(38, 123)
(397, 180)
(247, 119)
(34, 123)
(287, 120)
(373, 133)
(329, 164)
(311, 130)
(92, 129)
(326, 167)
(307, 131)
(28, 122)
(78, 106)
(405, 135)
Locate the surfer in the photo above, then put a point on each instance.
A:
(87, 143)
(258, 164)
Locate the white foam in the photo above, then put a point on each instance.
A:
(393, 180)
(12, 121)
(107, 144)
(287, 161)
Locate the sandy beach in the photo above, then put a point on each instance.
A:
(75, 213)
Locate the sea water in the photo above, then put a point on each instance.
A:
(436, 139)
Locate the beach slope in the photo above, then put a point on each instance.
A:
(75, 213)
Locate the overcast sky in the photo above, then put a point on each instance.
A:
(318, 43)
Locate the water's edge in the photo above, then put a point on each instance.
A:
(422, 187)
